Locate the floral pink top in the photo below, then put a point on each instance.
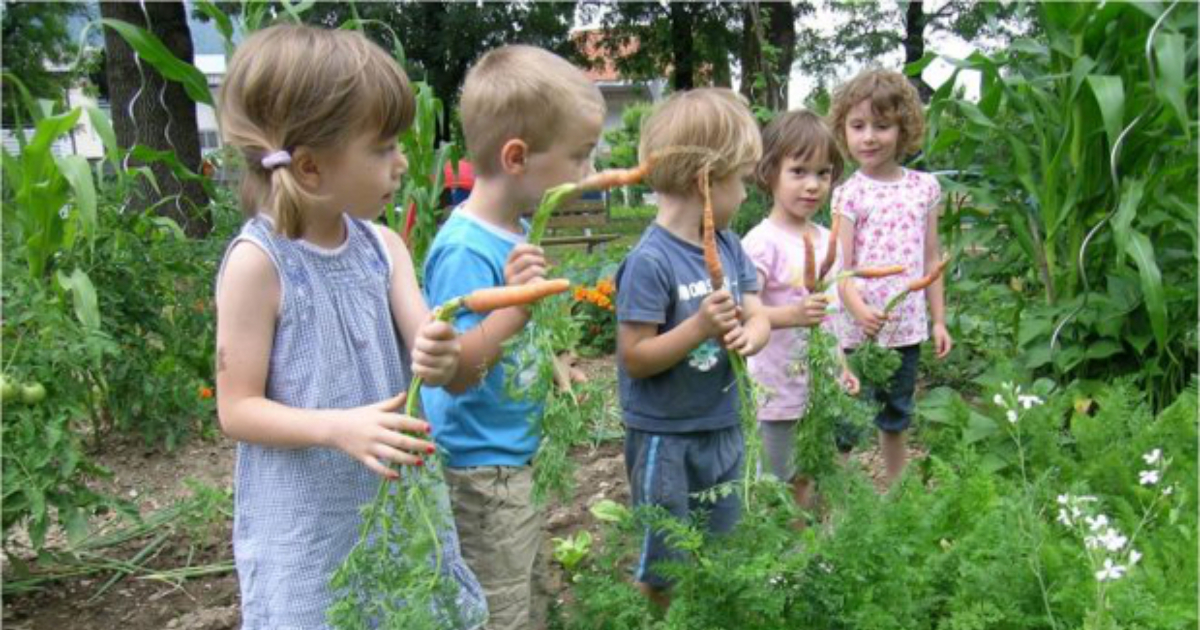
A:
(889, 229)
(778, 255)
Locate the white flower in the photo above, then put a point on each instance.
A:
(1134, 556)
(1110, 571)
(1065, 518)
(999, 400)
(1148, 477)
(1097, 523)
(1029, 401)
(1152, 457)
(1012, 416)
(1113, 540)
(1091, 542)
(1064, 499)
(1167, 490)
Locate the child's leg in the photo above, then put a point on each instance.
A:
(655, 463)
(896, 416)
(500, 532)
(779, 447)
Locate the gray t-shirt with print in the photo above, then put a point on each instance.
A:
(662, 281)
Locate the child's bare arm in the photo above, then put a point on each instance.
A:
(247, 304)
(482, 345)
(645, 353)
(434, 345)
(935, 294)
(755, 329)
(871, 319)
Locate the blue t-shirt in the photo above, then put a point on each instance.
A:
(663, 281)
(482, 426)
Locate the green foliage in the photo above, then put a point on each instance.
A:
(1109, 245)
(421, 196)
(35, 38)
(961, 542)
(831, 412)
(393, 578)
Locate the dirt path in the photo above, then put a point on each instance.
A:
(154, 480)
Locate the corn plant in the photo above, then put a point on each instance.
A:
(421, 195)
(1082, 149)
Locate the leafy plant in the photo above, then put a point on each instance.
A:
(1083, 148)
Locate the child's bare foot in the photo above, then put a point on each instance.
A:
(895, 455)
(658, 597)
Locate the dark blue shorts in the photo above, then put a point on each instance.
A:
(897, 399)
(668, 469)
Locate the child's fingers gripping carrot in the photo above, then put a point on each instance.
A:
(490, 299)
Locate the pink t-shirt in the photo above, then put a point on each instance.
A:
(781, 367)
(889, 229)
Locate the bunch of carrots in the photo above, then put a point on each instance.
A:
(370, 586)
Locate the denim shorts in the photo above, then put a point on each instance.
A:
(897, 399)
(667, 470)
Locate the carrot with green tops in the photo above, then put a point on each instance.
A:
(712, 259)
(917, 285)
(495, 298)
(830, 249)
(612, 178)
(810, 264)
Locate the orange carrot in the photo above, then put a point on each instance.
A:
(485, 300)
(711, 258)
(831, 249)
(921, 283)
(613, 178)
(878, 272)
(810, 265)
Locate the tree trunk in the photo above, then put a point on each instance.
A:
(914, 44)
(782, 33)
(751, 52)
(682, 52)
(149, 110)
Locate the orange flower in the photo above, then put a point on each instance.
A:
(605, 287)
(206, 393)
(580, 294)
(604, 303)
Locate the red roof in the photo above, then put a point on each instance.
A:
(590, 43)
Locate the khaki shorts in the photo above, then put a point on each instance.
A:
(500, 533)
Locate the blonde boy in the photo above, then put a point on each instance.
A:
(675, 329)
(531, 121)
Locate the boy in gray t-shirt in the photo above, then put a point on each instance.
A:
(678, 394)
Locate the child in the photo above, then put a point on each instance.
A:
(531, 121)
(309, 299)
(800, 162)
(675, 329)
(890, 217)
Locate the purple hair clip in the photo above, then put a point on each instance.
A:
(274, 160)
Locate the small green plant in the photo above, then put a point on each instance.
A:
(571, 551)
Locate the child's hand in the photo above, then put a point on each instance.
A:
(871, 320)
(435, 352)
(942, 342)
(718, 315)
(812, 309)
(850, 382)
(526, 263)
(372, 435)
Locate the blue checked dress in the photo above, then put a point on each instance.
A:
(297, 511)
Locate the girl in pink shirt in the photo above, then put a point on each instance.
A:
(889, 218)
(800, 162)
